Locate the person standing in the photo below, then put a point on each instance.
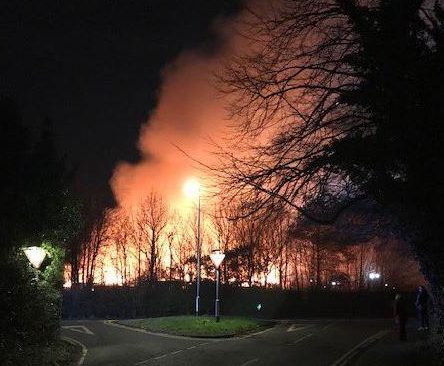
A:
(400, 313)
(422, 299)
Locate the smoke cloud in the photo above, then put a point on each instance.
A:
(188, 114)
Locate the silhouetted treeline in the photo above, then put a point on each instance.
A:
(148, 243)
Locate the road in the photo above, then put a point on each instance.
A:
(292, 342)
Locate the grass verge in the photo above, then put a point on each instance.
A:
(202, 326)
(66, 353)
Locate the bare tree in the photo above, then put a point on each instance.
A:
(121, 233)
(152, 219)
(98, 236)
(340, 99)
(223, 223)
(287, 94)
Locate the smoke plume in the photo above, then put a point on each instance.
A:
(188, 114)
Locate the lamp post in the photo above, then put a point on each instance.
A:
(217, 257)
(192, 190)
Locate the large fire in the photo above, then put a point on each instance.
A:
(178, 137)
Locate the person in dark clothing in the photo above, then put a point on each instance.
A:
(400, 313)
(422, 298)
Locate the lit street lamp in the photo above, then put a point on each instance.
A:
(374, 276)
(35, 255)
(192, 190)
(217, 257)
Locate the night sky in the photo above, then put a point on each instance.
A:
(94, 68)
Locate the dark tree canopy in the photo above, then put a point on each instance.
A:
(341, 100)
(36, 202)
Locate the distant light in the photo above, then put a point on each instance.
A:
(386, 285)
(36, 255)
(333, 283)
(311, 280)
(217, 257)
(191, 188)
(374, 275)
(259, 307)
(92, 289)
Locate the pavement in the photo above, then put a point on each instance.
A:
(291, 342)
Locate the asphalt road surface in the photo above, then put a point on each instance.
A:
(292, 342)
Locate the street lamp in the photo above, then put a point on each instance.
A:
(374, 275)
(217, 257)
(192, 190)
(35, 255)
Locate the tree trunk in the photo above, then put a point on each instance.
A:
(431, 258)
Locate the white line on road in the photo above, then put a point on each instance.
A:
(250, 362)
(170, 353)
(84, 349)
(346, 357)
(161, 356)
(145, 361)
(295, 327)
(78, 328)
(253, 334)
(302, 338)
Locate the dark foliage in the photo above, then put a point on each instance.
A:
(353, 91)
(37, 208)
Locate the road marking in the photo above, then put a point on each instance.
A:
(250, 362)
(78, 328)
(295, 327)
(329, 325)
(302, 338)
(170, 353)
(254, 334)
(346, 357)
(84, 349)
(144, 361)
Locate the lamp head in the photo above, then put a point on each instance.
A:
(36, 255)
(217, 257)
(191, 188)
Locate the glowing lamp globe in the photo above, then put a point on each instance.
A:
(217, 258)
(35, 255)
(191, 188)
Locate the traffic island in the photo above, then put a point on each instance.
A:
(67, 352)
(199, 326)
